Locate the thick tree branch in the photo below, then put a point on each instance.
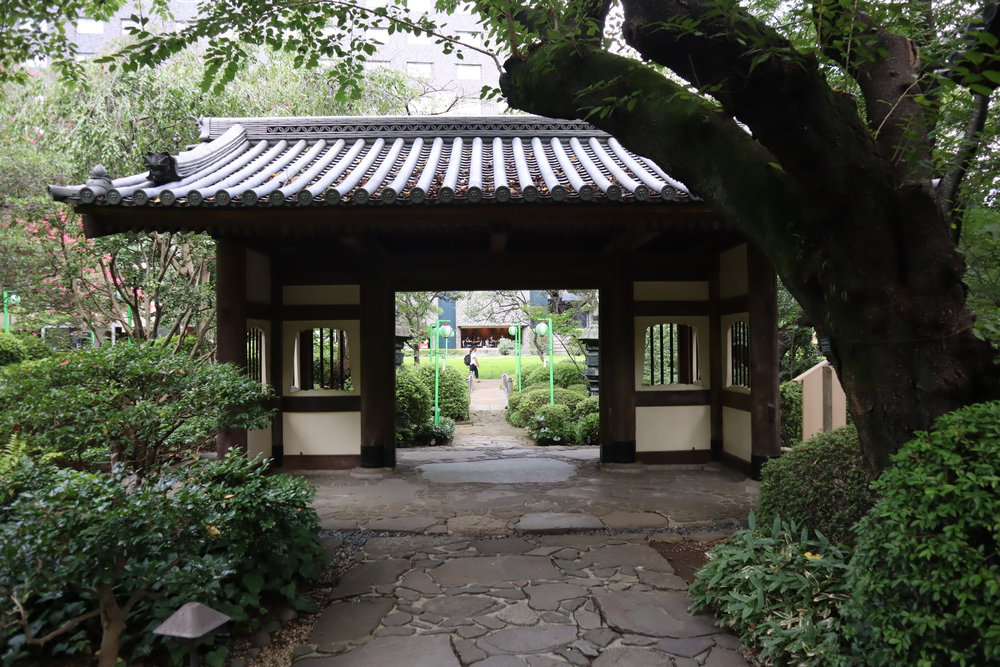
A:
(947, 193)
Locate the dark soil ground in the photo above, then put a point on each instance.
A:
(686, 556)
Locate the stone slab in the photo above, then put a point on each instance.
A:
(686, 648)
(362, 578)
(406, 524)
(486, 570)
(477, 525)
(505, 545)
(548, 596)
(632, 656)
(557, 522)
(461, 606)
(348, 621)
(627, 555)
(652, 613)
(385, 651)
(508, 470)
(537, 639)
(633, 520)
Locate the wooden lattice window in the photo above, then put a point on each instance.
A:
(670, 355)
(255, 354)
(739, 354)
(322, 360)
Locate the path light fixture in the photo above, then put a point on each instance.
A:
(515, 331)
(438, 331)
(542, 328)
(9, 298)
(190, 624)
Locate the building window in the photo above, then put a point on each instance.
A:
(470, 37)
(89, 27)
(468, 72)
(321, 360)
(739, 355)
(420, 70)
(671, 355)
(255, 355)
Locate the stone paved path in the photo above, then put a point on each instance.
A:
(497, 553)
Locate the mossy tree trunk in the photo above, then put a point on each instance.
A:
(842, 206)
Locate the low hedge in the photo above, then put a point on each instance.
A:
(11, 349)
(552, 424)
(564, 374)
(530, 401)
(791, 413)
(413, 406)
(821, 484)
(453, 392)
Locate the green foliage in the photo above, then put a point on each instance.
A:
(506, 346)
(926, 578)
(73, 544)
(981, 245)
(780, 589)
(34, 347)
(564, 375)
(11, 349)
(591, 405)
(453, 392)
(531, 400)
(588, 429)
(430, 434)
(414, 405)
(791, 413)
(141, 402)
(822, 484)
(580, 389)
(552, 425)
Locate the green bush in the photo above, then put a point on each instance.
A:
(580, 389)
(506, 347)
(564, 374)
(590, 405)
(533, 399)
(552, 425)
(821, 484)
(791, 413)
(34, 347)
(781, 590)
(11, 349)
(588, 429)
(414, 405)
(513, 401)
(139, 401)
(453, 392)
(430, 434)
(926, 575)
(76, 544)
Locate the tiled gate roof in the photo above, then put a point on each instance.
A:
(378, 161)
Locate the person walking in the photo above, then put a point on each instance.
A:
(474, 362)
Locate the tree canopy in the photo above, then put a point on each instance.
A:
(846, 139)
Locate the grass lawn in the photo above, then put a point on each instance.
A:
(490, 366)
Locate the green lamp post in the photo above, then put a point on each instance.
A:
(9, 298)
(515, 331)
(438, 331)
(541, 329)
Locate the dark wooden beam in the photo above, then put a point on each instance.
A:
(499, 237)
(617, 364)
(673, 308)
(231, 324)
(716, 374)
(378, 374)
(276, 357)
(765, 418)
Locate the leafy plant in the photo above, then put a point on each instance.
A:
(552, 425)
(532, 399)
(34, 347)
(453, 392)
(926, 576)
(588, 406)
(506, 346)
(413, 406)
(11, 349)
(563, 375)
(430, 434)
(791, 413)
(780, 588)
(821, 484)
(141, 402)
(588, 429)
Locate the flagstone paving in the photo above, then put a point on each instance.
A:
(496, 553)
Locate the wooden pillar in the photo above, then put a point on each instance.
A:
(617, 366)
(231, 323)
(277, 359)
(765, 426)
(716, 373)
(378, 374)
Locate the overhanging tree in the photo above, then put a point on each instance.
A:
(832, 143)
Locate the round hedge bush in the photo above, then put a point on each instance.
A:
(11, 349)
(534, 399)
(588, 429)
(791, 413)
(563, 375)
(821, 484)
(926, 574)
(34, 347)
(552, 424)
(413, 406)
(588, 406)
(453, 392)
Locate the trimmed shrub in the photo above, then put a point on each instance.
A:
(430, 434)
(791, 413)
(222, 531)
(506, 347)
(590, 405)
(11, 349)
(780, 589)
(580, 389)
(414, 406)
(513, 401)
(34, 347)
(142, 403)
(534, 399)
(588, 429)
(453, 392)
(926, 576)
(552, 425)
(822, 484)
(564, 374)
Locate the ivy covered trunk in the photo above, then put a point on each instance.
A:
(846, 212)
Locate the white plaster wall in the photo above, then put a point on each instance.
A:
(291, 330)
(259, 443)
(673, 428)
(670, 290)
(258, 277)
(322, 295)
(700, 325)
(736, 433)
(322, 433)
(812, 400)
(733, 279)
